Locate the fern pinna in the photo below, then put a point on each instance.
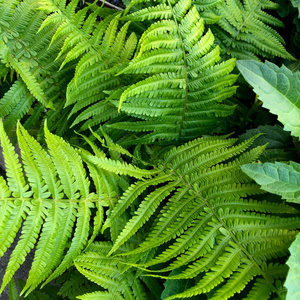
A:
(208, 219)
(112, 274)
(50, 197)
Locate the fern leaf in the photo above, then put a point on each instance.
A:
(18, 93)
(129, 196)
(15, 178)
(223, 248)
(244, 30)
(161, 11)
(96, 70)
(29, 235)
(44, 163)
(66, 227)
(73, 158)
(33, 174)
(107, 272)
(120, 168)
(143, 213)
(23, 70)
(14, 213)
(78, 241)
(101, 296)
(37, 202)
(66, 175)
(26, 52)
(180, 65)
(50, 229)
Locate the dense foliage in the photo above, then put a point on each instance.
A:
(151, 151)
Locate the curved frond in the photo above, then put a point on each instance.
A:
(27, 52)
(100, 48)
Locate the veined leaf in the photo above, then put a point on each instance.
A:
(278, 89)
(277, 178)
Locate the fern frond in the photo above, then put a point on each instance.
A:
(102, 51)
(223, 248)
(143, 213)
(51, 203)
(26, 52)
(244, 30)
(181, 96)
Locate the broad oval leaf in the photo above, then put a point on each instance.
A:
(278, 178)
(278, 89)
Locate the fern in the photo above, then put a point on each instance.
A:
(180, 98)
(92, 43)
(28, 54)
(204, 221)
(110, 273)
(244, 30)
(50, 198)
(147, 206)
(281, 179)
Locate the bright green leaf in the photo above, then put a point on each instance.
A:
(278, 89)
(277, 178)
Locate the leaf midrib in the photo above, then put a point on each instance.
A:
(185, 72)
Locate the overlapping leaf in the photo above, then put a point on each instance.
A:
(278, 89)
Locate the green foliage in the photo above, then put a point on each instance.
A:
(50, 198)
(284, 180)
(280, 145)
(278, 178)
(13, 292)
(202, 213)
(181, 96)
(110, 273)
(278, 89)
(102, 53)
(296, 3)
(27, 53)
(281, 86)
(244, 28)
(124, 188)
(293, 277)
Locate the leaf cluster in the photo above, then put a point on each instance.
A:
(151, 151)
